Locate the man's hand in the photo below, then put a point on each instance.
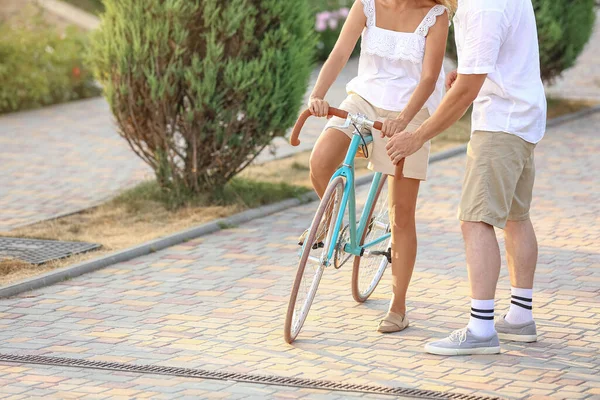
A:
(402, 145)
(393, 126)
(450, 79)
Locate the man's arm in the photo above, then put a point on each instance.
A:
(484, 30)
(453, 107)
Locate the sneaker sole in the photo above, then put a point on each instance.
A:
(517, 338)
(441, 351)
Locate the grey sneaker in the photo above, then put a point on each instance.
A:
(526, 332)
(462, 342)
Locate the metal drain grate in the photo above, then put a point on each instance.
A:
(237, 377)
(37, 252)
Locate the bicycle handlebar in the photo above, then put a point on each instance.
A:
(333, 112)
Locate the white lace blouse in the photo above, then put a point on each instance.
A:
(391, 63)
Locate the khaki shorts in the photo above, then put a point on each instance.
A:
(415, 166)
(498, 182)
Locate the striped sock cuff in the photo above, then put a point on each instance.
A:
(522, 302)
(482, 314)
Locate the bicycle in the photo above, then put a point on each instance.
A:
(368, 241)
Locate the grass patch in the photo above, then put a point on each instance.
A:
(558, 107)
(240, 192)
(91, 6)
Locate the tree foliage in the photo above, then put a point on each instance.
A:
(200, 87)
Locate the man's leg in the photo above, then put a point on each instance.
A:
(521, 255)
(483, 265)
(494, 164)
(483, 259)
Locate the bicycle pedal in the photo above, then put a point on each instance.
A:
(387, 254)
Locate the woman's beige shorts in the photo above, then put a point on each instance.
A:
(415, 166)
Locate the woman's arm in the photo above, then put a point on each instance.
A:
(353, 27)
(435, 49)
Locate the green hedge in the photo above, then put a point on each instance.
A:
(40, 66)
(564, 28)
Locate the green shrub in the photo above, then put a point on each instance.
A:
(564, 28)
(39, 66)
(200, 88)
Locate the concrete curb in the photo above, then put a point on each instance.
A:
(73, 271)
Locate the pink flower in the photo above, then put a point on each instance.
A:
(333, 23)
(343, 12)
(322, 18)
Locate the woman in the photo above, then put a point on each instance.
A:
(400, 81)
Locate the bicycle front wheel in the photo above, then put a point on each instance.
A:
(311, 267)
(368, 271)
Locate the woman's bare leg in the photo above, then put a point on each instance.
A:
(326, 157)
(403, 195)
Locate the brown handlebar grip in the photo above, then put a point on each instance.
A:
(336, 112)
(333, 112)
(294, 141)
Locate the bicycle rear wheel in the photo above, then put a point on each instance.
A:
(310, 267)
(368, 271)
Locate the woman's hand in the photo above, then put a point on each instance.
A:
(450, 79)
(318, 107)
(393, 126)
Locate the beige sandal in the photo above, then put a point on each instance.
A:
(393, 323)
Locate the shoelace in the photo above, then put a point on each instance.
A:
(459, 336)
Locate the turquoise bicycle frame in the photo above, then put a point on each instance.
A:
(349, 201)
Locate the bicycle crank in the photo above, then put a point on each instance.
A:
(340, 257)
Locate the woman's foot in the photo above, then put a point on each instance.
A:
(319, 242)
(393, 322)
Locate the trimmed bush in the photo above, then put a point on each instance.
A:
(564, 28)
(40, 66)
(200, 88)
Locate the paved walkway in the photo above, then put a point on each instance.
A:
(218, 303)
(60, 160)
(66, 158)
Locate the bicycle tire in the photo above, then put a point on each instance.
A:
(295, 318)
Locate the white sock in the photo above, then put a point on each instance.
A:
(520, 306)
(482, 318)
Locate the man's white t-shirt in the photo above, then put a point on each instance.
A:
(499, 38)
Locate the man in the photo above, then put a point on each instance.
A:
(498, 71)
